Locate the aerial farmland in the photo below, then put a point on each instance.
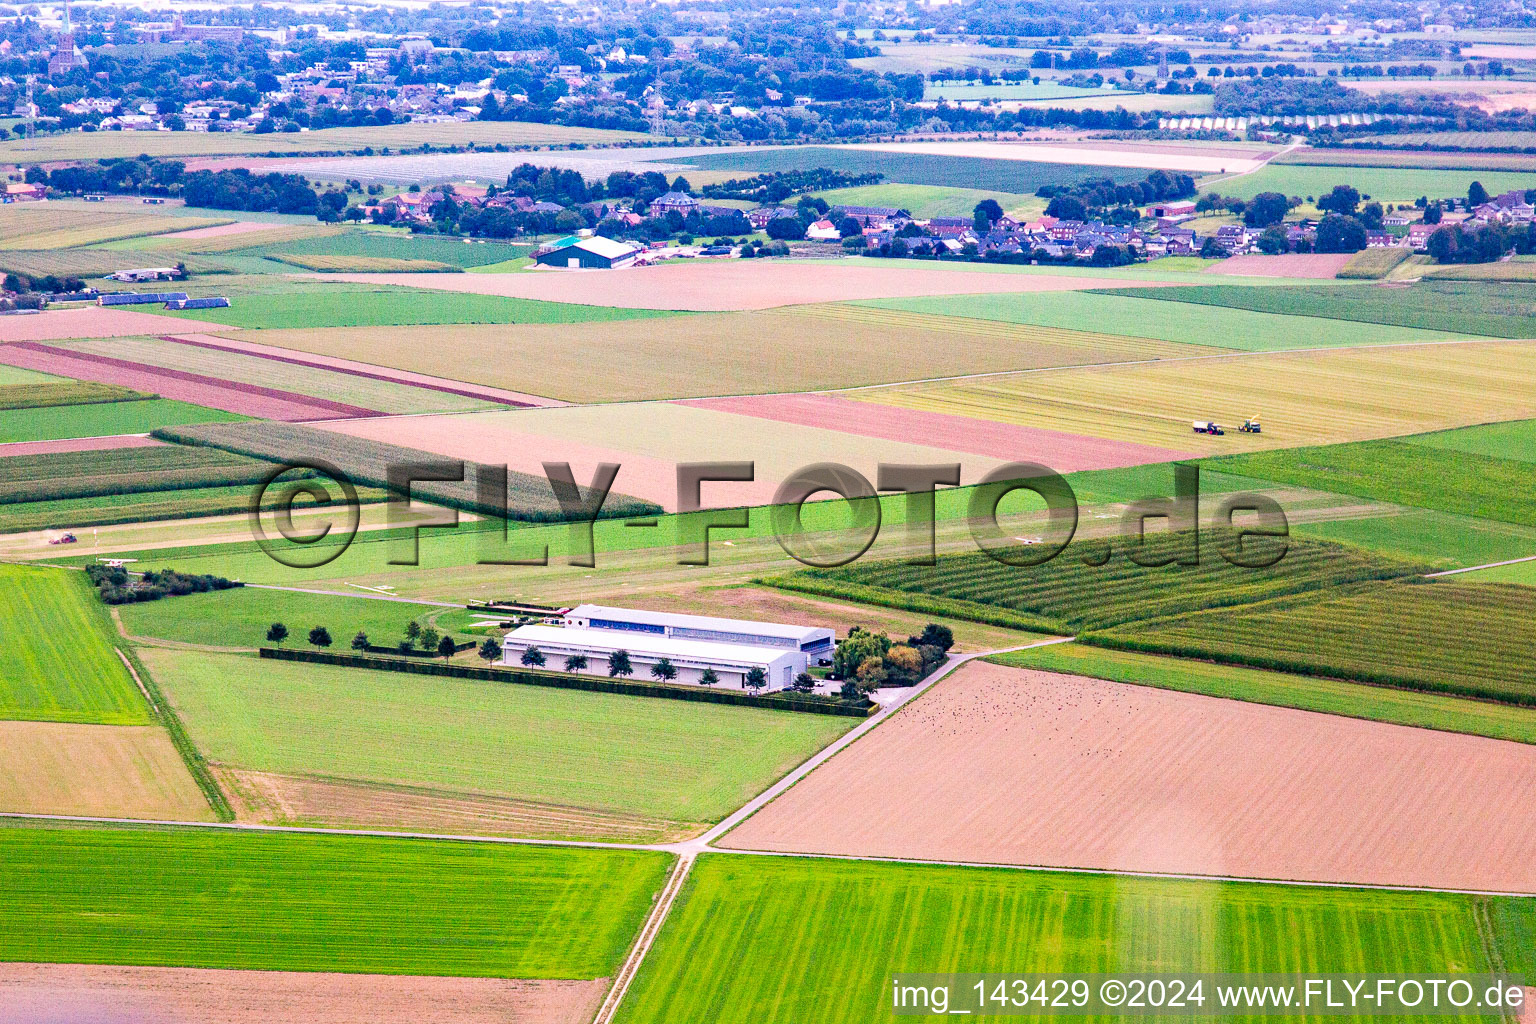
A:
(696, 514)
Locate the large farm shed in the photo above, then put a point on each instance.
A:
(691, 658)
(595, 253)
(812, 641)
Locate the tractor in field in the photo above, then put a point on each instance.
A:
(1208, 427)
(67, 538)
(1251, 426)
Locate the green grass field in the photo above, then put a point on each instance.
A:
(1462, 638)
(201, 898)
(835, 932)
(1522, 574)
(1435, 538)
(1460, 482)
(239, 618)
(1515, 440)
(1490, 309)
(58, 663)
(100, 420)
(70, 392)
(10, 375)
(662, 759)
(1024, 91)
(457, 252)
(1016, 176)
(1134, 314)
(1387, 184)
(361, 306)
(1309, 693)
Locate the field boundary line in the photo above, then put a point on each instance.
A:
(1474, 568)
(645, 940)
(136, 680)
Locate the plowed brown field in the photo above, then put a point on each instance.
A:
(94, 322)
(32, 993)
(1017, 766)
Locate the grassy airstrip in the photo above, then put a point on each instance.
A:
(195, 898)
(833, 934)
(58, 663)
(676, 762)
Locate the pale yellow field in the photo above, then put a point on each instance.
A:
(364, 264)
(719, 353)
(112, 771)
(44, 226)
(271, 234)
(1303, 398)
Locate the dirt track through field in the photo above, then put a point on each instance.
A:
(78, 444)
(90, 994)
(738, 284)
(93, 322)
(246, 399)
(1062, 452)
(234, 227)
(1019, 766)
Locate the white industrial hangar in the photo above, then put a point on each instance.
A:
(692, 643)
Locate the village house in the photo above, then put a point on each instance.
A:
(674, 202)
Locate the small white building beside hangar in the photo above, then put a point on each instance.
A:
(731, 661)
(813, 641)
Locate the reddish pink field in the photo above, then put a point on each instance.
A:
(738, 284)
(1027, 767)
(239, 227)
(1291, 264)
(1060, 451)
(246, 399)
(77, 444)
(94, 322)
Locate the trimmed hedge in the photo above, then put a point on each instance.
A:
(807, 703)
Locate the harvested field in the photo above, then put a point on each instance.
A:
(99, 261)
(92, 322)
(243, 242)
(210, 392)
(272, 799)
(648, 442)
(1064, 453)
(48, 227)
(77, 444)
(110, 771)
(850, 346)
(1304, 397)
(320, 903)
(368, 457)
(1441, 159)
(368, 371)
(234, 227)
(1027, 767)
(1300, 265)
(175, 995)
(59, 663)
(217, 362)
(1088, 156)
(1391, 184)
(1514, 270)
(734, 284)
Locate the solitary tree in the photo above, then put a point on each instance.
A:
(320, 636)
(413, 630)
(756, 678)
(428, 639)
(576, 663)
(1476, 194)
(447, 648)
(360, 642)
(664, 670)
(618, 664)
(805, 682)
(277, 633)
(709, 677)
(532, 657)
(490, 650)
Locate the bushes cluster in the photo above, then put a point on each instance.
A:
(116, 586)
(866, 660)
